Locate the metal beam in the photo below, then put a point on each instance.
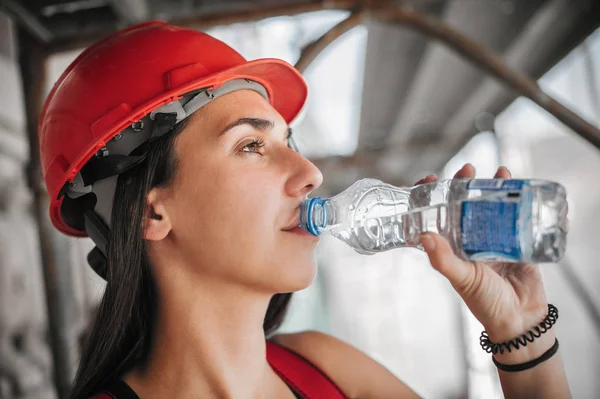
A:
(68, 8)
(554, 21)
(393, 60)
(591, 77)
(473, 52)
(312, 50)
(53, 248)
(276, 10)
(27, 20)
(444, 77)
(493, 65)
(228, 17)
(131, 11)
(429, 26)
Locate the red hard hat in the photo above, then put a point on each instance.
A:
(124, 77)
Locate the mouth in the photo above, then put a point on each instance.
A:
(302, 232)
(294, 227)
(294, 222)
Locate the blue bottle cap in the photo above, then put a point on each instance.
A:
(307, 211)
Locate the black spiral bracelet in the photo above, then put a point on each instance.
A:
(524, 339)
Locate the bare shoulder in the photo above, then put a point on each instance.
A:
(357, 375)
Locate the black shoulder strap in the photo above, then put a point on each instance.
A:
(119, 389)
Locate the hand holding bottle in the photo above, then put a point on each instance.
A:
(507, 298)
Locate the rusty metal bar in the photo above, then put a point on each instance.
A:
(32, 60)
(469, 49)
(312, 50)
(230, 17)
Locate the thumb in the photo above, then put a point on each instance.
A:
(461, 274)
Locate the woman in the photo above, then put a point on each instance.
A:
(173, 154)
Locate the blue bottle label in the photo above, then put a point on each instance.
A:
(489, 225)
(496, 184)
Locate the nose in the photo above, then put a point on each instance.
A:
(304, 176)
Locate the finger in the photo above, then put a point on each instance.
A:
(466, 172)
(429, 179)
(503, 173)
(460, 273)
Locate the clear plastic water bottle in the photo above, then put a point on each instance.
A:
(483, 219)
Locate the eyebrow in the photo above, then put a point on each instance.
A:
(257, 123)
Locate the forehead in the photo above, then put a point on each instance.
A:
(219, 113)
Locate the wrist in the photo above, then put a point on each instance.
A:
(533, 350)
(510, 347)
(516, 326)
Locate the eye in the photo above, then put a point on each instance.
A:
(254, 146)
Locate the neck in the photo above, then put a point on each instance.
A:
(208, 342)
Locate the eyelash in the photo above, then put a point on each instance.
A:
(257, 143)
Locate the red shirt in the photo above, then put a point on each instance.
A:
(304, 379)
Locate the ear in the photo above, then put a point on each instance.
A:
(156, 222)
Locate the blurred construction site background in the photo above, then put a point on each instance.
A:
(400, 94)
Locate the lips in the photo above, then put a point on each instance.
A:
(294, 228)
(302, 232)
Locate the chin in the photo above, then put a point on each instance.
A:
(298, 276)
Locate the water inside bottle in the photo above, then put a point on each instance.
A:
(492, 220)
(378, 234)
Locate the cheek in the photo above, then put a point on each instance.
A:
(234, 212)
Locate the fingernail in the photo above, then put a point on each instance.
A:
(428, 243)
